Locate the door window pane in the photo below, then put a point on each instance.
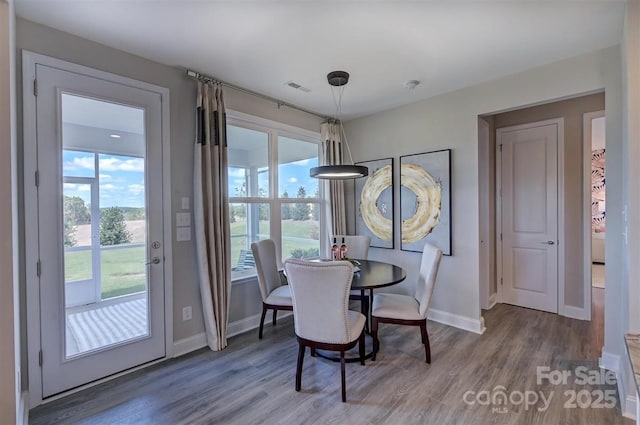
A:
(248, 154)
(249, 223)
(300, 230)
(78, 164)
(104, 224)
(295, 159)
(77, 236)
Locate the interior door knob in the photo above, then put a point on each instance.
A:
(155, 260)
(548, 242)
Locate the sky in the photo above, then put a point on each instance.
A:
(120, 178)
(291, 177)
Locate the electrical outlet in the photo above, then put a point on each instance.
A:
(187, 313)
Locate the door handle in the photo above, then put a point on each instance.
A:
(155, 260)
(548, 242)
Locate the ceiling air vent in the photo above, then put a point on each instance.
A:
(297, 86)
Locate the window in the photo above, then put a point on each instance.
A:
(271, 193)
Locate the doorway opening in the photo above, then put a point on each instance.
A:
(574, 299)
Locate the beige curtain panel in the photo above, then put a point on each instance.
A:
(211, 213)
(332, 148)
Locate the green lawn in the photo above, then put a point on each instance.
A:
(123, 270)
(307, 232)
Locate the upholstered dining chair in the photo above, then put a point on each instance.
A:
(321, 315)
(275, 295)
(357, 245)
(409, 310)
(357, 248)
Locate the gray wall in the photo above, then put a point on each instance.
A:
(450, 121)
(572, 111)
(9, 349)
(245, 297)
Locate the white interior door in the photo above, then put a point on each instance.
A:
(529, 215)
(100, 227)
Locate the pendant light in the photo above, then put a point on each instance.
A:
(339, 171)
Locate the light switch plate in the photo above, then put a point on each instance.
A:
(183, 234)
(186, 203)
(183, 219)
(187, 313)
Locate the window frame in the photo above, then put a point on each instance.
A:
(275, 130)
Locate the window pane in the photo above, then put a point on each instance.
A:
(249, 223)
(77, 233)
(248, 162)
(104, 147)
(295, 158)
(78, 164)
(300, 230)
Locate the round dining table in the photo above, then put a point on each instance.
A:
(370, 275)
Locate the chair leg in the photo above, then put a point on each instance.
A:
(425, 341)
(342, 374)
(313, 351)
(264, 313)
(361, 348)
(374, 334)
(301, 349)
(275, 313)
(366, 312)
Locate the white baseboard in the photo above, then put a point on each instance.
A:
(23, 409)
(573, 312)
(610, 362)
(195, 342)
(628, 402)
(629, 409)
(493, 300)
(187, 345)
(460, 322)
(252, 322)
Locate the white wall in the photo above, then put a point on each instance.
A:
(630, 301)
(245, 298)
(9, 348)
(450, 121)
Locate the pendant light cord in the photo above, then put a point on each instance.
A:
(338, 103)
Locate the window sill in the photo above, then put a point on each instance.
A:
(241, 280)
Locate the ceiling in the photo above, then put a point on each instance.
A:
(261, 45)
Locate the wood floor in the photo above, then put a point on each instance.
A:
(252, 381)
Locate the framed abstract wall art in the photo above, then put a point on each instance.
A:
(374, 203)
(425, 200)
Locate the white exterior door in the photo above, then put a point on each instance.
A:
(529, 215)
(99, 227)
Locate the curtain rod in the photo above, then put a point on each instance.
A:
(198, 76)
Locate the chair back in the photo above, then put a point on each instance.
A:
(357, 245)
(427, 278)
(320, 295)
(264, 255)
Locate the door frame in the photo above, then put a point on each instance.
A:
(487, 299)
(586, 205)
(559, 122)
(29, 62)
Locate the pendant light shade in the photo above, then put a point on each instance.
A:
(339, 171)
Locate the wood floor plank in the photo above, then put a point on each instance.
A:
(252, 381)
